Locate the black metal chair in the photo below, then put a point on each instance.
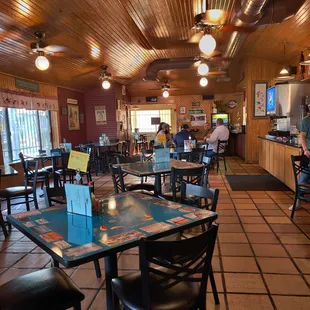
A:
(147, 155)
(221, 153)
(173, 274)
(195, 156)
(120, 186)
(65, 174)
(28, 191)
(48, 168)
(2, 223)
(54, 194)
(301, 164)
(46, 289)
(189, 175)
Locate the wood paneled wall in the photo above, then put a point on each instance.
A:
(256, 69)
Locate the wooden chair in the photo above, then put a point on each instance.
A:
(54, 194)
(173, 274)
(28, 191)
(301, 164)
(46, 289)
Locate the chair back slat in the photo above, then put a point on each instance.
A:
(186, 260)
(147, 155)
(50, 193)
(221, 146)
(118, 179)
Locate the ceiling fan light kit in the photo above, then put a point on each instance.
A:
(203, 69)
(105, 76)
(165, 94)
(106, 84)
(207, 44)
(42, 62)
(203, 82)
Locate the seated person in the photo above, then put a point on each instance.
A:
(208, 130)
(179, 138)
(165, 129)
(220, 133)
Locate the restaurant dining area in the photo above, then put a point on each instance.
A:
(155, 155)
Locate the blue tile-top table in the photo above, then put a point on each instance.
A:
(120, 221)
(147, 168)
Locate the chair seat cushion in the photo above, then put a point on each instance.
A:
(145, 186)
(44, 289)
(183, 296)
(66, 171)
(15, 191)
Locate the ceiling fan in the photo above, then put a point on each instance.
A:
(166, 87)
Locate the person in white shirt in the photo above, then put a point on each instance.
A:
(220, 133)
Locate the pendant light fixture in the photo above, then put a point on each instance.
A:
(42, 62)
(284, 75)
(203, 69)
(306, 61)
(104, 77)
(207, 43)
(203, 82)
(165, 94)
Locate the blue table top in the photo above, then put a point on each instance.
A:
(146, 168)
(121, 220)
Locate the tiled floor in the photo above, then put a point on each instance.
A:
(261, 261)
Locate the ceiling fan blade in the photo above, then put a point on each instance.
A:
(154, 89)
(196, 37)
(56, 48)
(215, 53)
(232, 28)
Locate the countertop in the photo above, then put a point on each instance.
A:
(283, 143)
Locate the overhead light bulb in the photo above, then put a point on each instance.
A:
(42, 62)
(203, 82)
(284, 71)
(106, 84)
(207, 44)
(165, 94)
(203, 69)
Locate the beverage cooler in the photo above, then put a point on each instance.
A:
(223, 116)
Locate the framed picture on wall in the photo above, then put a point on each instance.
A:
(260, 99)
(182, 110)
(73, 117)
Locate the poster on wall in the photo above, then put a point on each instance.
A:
(100, 115)
(198, 120)
(121, 117)
(260, 99)
(73, 117)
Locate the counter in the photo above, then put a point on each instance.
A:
(237, 144)
(275, 157)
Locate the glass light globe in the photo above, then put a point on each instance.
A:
(42, 63)
(166, 94)
(207, 44)
(203, 82)
(203, 69)
(106, 84)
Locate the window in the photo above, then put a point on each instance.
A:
(142, 119)
(24, 131)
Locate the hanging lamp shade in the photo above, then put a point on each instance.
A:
(306, 61)
(284, 74)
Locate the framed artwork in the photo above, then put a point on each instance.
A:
(73, 117)
(100, 115)
(260, 99)
(182, 110)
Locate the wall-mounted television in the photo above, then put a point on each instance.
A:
(271, 100)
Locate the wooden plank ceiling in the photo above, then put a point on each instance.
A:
(126, 35)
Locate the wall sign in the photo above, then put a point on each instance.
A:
(195, 104)
(151, 99)
(232, 104)
(72, 101)
(27, 85)
(195, 111)
(260, 99)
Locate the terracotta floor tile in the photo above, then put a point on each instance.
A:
(303, 264)
(5, 244)
(263, 228)
(252, 219)
(304, 227)
(128, 262)
(283, 200)
(248, 212)
(89, 296)
(218, 281)
(275, 194)
(267, 206)
(277, 265)
(99, 302)
(228, 219)
(210, 302)
(291, 302)
(260, 195)
(278, 220)
(239, 264)
(279, 228)
(234, 249)
(242, 201)
(269, 250)
(284, 206)
(244, 283)
(262, 238)
(249, 302)
(235, 195)
(286, 284)
(272, 212)
(262, 200)
(245, 206)
(300, 251)
(13, 273)
(33, 261)
(20, 247)
(232, 238)
(90, 265)
(8, 259)
(83, 278)
(225, 206)
(301, 220)
(293, 238)
(219, 212)
(2, 270)
(298, 213)
(232, 228)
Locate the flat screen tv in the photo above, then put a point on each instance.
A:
(271, 100)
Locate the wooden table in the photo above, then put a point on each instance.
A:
(73, 239)
(148, 168)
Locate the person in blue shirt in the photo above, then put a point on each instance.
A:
(179, 138)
